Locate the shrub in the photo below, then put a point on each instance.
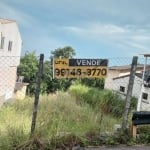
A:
(78, 91)
(112, 103)
(134, 101)
(105, 100)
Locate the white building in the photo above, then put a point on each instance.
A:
(10, 51)
(118, 71)
(120, 84)
(118, 80)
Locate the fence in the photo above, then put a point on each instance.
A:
(116, 80)
(8, 69)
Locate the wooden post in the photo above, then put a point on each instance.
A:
(129, 94)
(37, 93)
(134, 130)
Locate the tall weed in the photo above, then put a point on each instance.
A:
(58, 115)
(61, 114)
(106, 101)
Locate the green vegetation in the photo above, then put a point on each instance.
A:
(65, 52)
(83, 115)
(29, 66)
(58, 115)
(144, 134)
(105, 100)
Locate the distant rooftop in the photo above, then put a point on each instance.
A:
(126, 67)
(137, 74)
(145, 55)
(5, 21)
(140, 75)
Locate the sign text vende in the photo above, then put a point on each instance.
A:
(80, 68)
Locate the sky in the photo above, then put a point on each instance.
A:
(94, 28)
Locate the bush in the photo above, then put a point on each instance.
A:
(112, 103)
(78, 91)
(105, 100)
(134, 101)
(143, 134)
(85, 94)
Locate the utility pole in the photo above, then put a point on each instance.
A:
(129, 94)
(142, 87)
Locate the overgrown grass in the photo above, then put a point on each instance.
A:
(66, 116)
(107, 101)
(80, 115)
(14, 124)
(58, 115)
(64, 119)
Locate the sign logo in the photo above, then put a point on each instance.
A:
(80, 68)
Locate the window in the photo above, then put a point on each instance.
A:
(144, 96)
(2, 42)
(122, 89)
(10, 46)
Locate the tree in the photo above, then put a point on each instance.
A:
(47, 77)
(28, 68)
(65, 52)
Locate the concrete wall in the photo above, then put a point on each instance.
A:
(21, 93)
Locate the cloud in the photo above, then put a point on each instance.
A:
(95, 30)
(113, 24)
(9, 12)
(106, 11)
(127, 37)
